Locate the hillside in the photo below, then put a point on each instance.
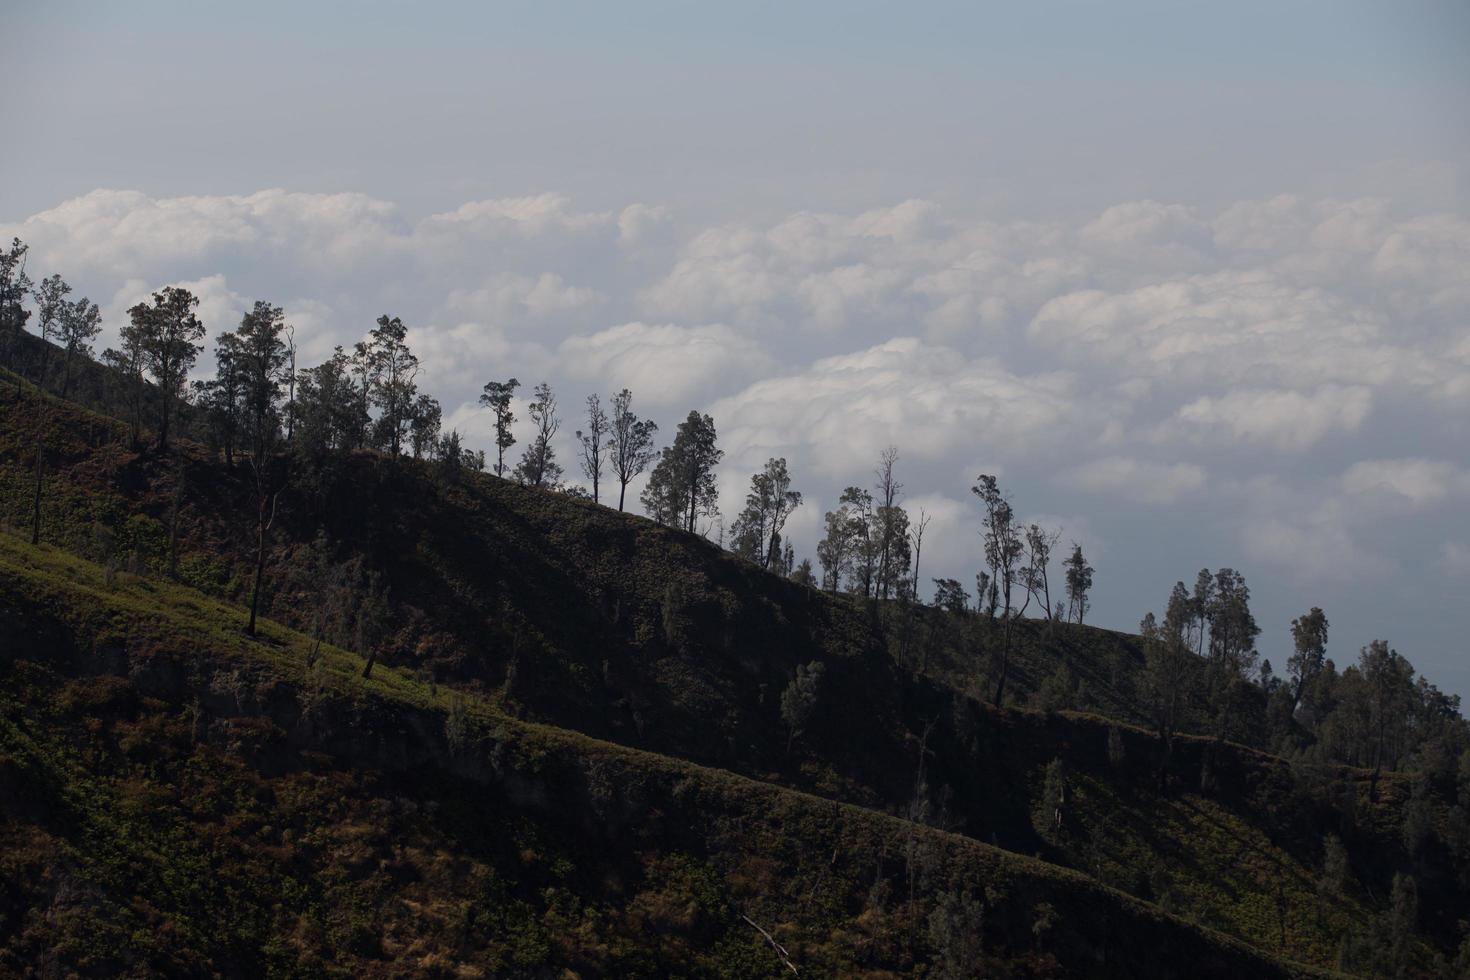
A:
(592, 635)
(179, 799)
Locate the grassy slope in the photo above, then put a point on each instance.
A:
(685, 653)
(164, 776)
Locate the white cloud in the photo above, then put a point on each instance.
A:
(930, 401)
(1413, 484)
(1288, 421)
(1137, 480)
(664, 364)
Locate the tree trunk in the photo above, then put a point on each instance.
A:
(622, 492)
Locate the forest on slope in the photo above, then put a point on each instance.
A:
(1139, 761)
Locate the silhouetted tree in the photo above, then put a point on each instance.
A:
(166, 332)
(1309, 652)
(538, 466)
(425, 418)
(682, 486)
(951, 596)
(594, 446)
(330, 408)
(1035, 575)
(496, 396)
(1079, 583)
(81, 321)
(768, 505)
(630, 442)
(1003, 550)
(263, 368)
(392, 368)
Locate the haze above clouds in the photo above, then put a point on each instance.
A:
(1194, 281)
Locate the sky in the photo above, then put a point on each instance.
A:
(1192, 279)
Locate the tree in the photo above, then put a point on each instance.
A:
(594, 444)
(802, 574)
(630, 442)
(424, 420)
(51, 307)
(768, 505)
(1003, 549)
(127, 364)
(496, 396)
(392, 368)
(222, 396)
(835, 550)
(1039, 545)
(15, 285)
(538, 466)
(1079, 583)
(864, 541)
(1204, 598)
(167, 332)
(890, 538)
(1167, 669)
(799, 700)
(81, 321)
(682, 486)
(1309, 652)
(917, 536)
(951, 596)
(262, 363)
(330, 408)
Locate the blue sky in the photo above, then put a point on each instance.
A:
(1194, 278)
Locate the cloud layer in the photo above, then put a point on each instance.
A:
(1276, 379)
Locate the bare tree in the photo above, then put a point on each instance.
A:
(630, 442)
(594, 444)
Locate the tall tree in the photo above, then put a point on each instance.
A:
(538, 466)
(917, 536)
(1079, 583)
(263, 367)
(127, 365)
(594, 445)
(863, 536)
(425, 418)
(222, 397)
(329, 408)
(630, 442)
(768, 505)
(496, 396)
(886, 493)
(1309, 652)
(80, 323)
(392, 368)
(168, 331)
(1003, 550)
(1035, 576)
(1204, 599)
(682, 486)
(51, 308)
(835, 550)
